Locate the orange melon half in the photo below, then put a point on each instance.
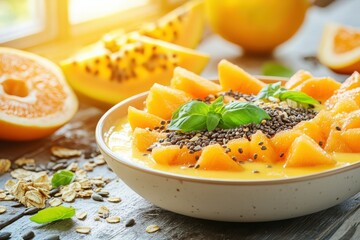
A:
(35, 99)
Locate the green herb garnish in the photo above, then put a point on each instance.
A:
(276, 69)
(53, 214)
(276, 91)
(62, 178)
(197, 115)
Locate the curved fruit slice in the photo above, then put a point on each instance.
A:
(298, 78)
(110, 77)
(305, 152)
(183, 26)
(319, 88)
(35, 99)
(340, 48)
(324, 119)
(144, 138)
(261, 148)
(353, 94)
(232, 77)
(344, 106)
(352, 120)
(141, 119)
(350, 83)
(162, 101)
(213, 157)
(195, 85)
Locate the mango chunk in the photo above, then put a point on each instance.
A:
(143, 138)
(232, 77)
(335, 143)
(214, 157)
(352, 139)
(195, 85)
(239, 148)
(283, 140)
(261, 148)
(305, 152)
(141, 119)
(298, 78)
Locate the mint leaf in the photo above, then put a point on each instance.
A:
(275, 90)
(53, 214)
(212, 120)
(241, 113)
(189, 117)
(276, 69)
(62, 178)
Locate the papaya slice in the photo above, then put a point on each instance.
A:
(239, 148)
(214, 157)
(352, 139)
(298, 78)
(183, 26)
(195, 85)
(108, 77)
(350, 83)
(187, 158)
(305, 152)
(344, 106)
(141, 119)
(162, 101)
(232, 77)
(324, 119)
(143, 138)
(261, 148)
(353, 94)
(319, 88)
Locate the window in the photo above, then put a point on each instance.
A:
(31, 23)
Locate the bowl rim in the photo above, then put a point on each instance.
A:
(104, 148)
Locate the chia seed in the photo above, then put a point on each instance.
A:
(263, 148)
(338, 128)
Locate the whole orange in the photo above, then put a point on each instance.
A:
(258, 26)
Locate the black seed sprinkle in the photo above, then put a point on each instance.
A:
(281, 154)
(240, 150)
(28, 235)
(255, 156)
(263, 148)
(261, 143)
(256, 171)
(320, 143)
(338, 128)
(129, 223)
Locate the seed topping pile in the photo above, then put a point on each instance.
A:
(284, 116)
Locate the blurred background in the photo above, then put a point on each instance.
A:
(57, 28)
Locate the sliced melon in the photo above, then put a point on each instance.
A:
(110, 77)
(183, 26)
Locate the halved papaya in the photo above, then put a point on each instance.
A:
(232, 77)
(143, 139)
(141, 119)
(109, 77)
(195, 85)
(214, 157)
(261, 148)
(305, 152)
(319, 88)
(162, 101)
(298, 78)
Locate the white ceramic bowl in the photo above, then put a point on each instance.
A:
(227, 200)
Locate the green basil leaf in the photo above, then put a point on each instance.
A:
(240, 113)
(217, 105)
(298, 97)
(53, 214)
(212, 120)
(190, 116)
(276, 69)
(62, 178)
(270, 90)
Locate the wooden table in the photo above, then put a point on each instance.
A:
(339, 222)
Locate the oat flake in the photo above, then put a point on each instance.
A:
(62, 152)
(152, 228)
(2, 209)
(83, 229)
